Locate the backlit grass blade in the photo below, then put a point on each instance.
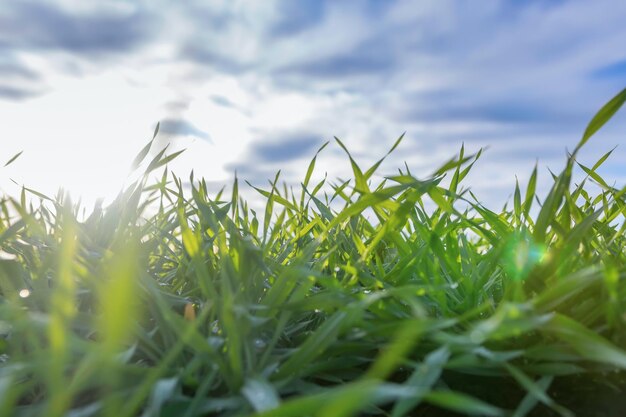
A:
(360, 180)
(601, 117)
(462, 403)
(13, 158)
(144, 151)
(586, 342)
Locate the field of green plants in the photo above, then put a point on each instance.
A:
(398, 298)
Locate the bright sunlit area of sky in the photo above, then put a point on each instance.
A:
(256, 86)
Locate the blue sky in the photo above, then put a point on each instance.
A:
(255, 86)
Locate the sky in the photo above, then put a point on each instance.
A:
(256, 86)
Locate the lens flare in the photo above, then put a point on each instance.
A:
(521, 255)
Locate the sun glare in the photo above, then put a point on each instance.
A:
(521, 255)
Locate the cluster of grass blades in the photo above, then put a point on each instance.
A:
(170, 302)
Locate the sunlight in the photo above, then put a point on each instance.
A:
(521, 255)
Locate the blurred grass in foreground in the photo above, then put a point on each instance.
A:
(202, 307)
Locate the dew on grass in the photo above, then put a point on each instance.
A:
(259, 343)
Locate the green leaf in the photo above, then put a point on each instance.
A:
(530, 400)
(260, 394)
(274, 197)
(311, 167)
(601, 117)
(156, 163)
(314, 345)
(530, 191)
(437, 196)
(141, 155)
(360, 179)
(517, 201)
(462, 403)
(589, 344)
(421, 380)
(536, 389)
(338, 402)
(11, 231)
(162, 391)
(551, 204)
(38, 194)
(13, 158)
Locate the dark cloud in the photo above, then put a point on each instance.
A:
(286, 149)
(182, 127)
(216, 19)
(266, 156)
(16, 93)
(374, 56)
(350, 64)
(468, 106)
(296, 17)
(547, 149)
(256, 173)
(210, 24)
(201, 54)
(487, 112)
(15, 69)
(28, 24)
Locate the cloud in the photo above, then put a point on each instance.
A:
(287, 148)
(15, 69)
(16, 93)
(176, 106)
(366, 60)
(18, 80)
(226, 36)
(297, 17)
(42, 26)
(448, 106)
(222, 101)
(271, 153)
(200, 54)
(180, 127)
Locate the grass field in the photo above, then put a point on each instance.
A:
(344, 299)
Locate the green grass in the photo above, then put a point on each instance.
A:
(171, 302)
